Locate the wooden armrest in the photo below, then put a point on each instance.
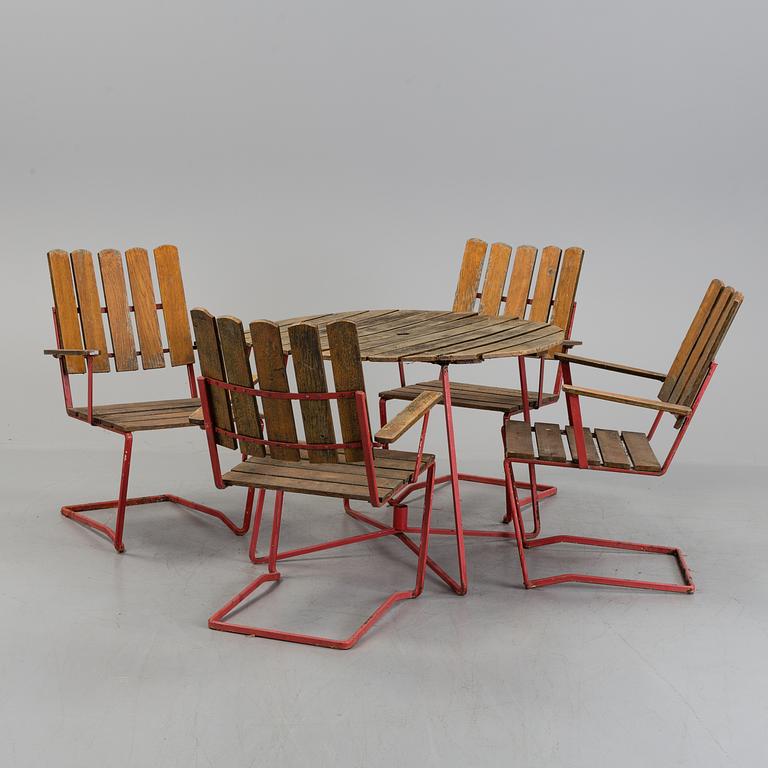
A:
(66, 352)
(404, 420)
(615, 367)
(196, 417)
(570, 343)
(614, 397)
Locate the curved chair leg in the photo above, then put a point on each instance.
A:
(75, 511)
(218, 619)
(687, 587)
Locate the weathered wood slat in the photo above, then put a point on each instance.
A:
(65, 303)
(495, 277)
(174, 305)
(565, 295)
(545, 284)
(270, 368)
(404, 420)
(212, 367)
(144, 308)
(234, 352)
(691, 337)
(149, 406)
(90, 308)
(469, 277)
(118, 314)
(612, 449)
(519, 440)
(520, 281)
(593, 457)
(347, 377)
(310, 377)
(640, 452)
(549, 442)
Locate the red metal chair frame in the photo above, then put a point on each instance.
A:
(76, 511)
(218, 620)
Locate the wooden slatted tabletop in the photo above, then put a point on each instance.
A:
(412, 335)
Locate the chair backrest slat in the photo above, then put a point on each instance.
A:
(310, 377)
(118, 314)
(144, 308)
(520, 281)
(212, 367)
(469, 277)
(545, 284)
(347, 377)
(65, 303)
(565, 295)
(495, 277)
(174, 305)
(272, 375)
(691, 337)
(234, 352)
(90, 308)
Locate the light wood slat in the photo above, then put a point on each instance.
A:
(270, 368)
(90, 308)
(347, 377)
(520, 281)
(144, 308)
(118, 315)
(495, 277)
(593, 457)
(310, 377)
(174, 305)
(697, 357)
(691, 337)
(549, 442)
(504, 337)
(234, 352)
(519, 440)
(469, 277)
(212, 367)
(64, 300)
(565, 295)
(612, 449)
(545, 284)
(616, 397)
(535, 344)
(403, 421)
(148, 406)
(640, 452)
(613, 367)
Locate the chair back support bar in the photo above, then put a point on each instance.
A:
(78, 308)
(554, 293)
(701, 343)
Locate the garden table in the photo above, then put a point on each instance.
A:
(444, 339)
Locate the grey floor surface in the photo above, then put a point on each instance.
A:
(106, 660)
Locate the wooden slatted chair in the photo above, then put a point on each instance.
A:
(357, 468)
(551, 298)
(621, 451)
(81, 348)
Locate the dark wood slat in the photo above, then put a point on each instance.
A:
(612, 449)
(270, 368)
(519, 440)
(469, 276)
(310, 377)
(174, 305)
(501, 338)
(118, 315)
(297, 485)
(565, 295)
(65, 303)
(549, 442)
(593, 457)
(691, 337)
(234, 352)
(90, 308)
(144, 308)
(347, 377)
(545, 284)
(495, 277)
(520, 281)
(640, 452)
(212, 367)
(149, 406)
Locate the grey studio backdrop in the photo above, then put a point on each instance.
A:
(310, 157)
